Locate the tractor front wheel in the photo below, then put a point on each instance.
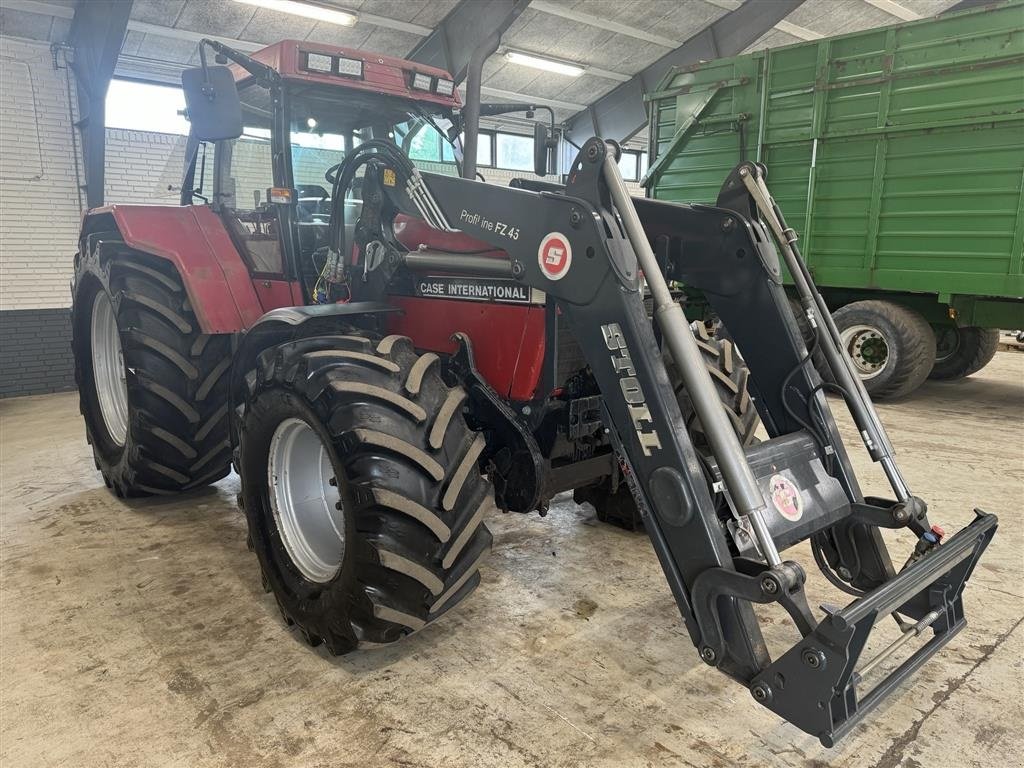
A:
(729, 374)
(152, 386)
(361, 488)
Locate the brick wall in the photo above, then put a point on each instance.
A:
(39, 211)
(35, 351)
(39, 219)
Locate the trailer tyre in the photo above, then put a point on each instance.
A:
(361, 488)
(729, 374)
(961, 352)
(153, 388)
(892, 347)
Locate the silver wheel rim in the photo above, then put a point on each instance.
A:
(304, 502)
(108, 369)
(867, 348)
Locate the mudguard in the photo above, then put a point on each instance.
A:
(286, 324)
(195, 240)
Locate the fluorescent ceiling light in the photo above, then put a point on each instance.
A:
(548, 65)
(308, 10)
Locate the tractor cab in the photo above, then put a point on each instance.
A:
(303, 108)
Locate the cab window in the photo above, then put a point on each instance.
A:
(246, 173)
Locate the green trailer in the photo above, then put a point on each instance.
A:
(897, 155)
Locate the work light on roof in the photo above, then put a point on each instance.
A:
(350, 67)
(318, 62)
(421, 82)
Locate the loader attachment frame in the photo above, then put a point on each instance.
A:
(719, 526)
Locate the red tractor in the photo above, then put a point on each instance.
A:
(387, 352)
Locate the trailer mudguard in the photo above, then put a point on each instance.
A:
(195, 240)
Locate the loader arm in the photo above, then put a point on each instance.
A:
(587, 247)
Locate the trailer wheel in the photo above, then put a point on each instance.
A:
(152, 387)
(361, 488)
(729, 374)
(959, 352)
(892, 347)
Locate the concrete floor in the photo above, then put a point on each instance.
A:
(136, 634)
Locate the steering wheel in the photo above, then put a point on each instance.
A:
(331, 175)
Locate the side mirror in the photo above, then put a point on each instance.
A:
(211, 100)
(541, 143)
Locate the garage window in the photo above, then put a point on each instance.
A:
(138, 106)
(515, 153)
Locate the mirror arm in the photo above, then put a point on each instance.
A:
(255, 68)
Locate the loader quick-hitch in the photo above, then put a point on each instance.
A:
(719, 524)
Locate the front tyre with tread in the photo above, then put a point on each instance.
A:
(398, 528)
(729, 374)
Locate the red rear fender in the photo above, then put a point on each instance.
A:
(196, 241)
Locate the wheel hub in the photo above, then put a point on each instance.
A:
(305, 503)
(867, 348)
(108, 369)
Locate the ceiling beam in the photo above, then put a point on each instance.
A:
(185, 34)
(43, 9)
(97, 32)
(67, 12)
(895, 9)
(451, 44)
(803, 33)
(621, 113)
(557, 9)
(797, 31)
(966, 5)
(403, 26)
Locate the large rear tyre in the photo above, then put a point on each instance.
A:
(892, 347)
(153, 388)
(612, 501)
(361, 488)
(960, 352)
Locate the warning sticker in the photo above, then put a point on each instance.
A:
(786, 497)
(554, 256)
(389, 177)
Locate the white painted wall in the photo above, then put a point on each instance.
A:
(39, 212)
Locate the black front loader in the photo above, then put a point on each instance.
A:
(598, 253)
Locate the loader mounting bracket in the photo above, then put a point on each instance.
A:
(814, 684)
(517, 466)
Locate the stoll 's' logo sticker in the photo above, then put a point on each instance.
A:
(554, 256)
(786, 497)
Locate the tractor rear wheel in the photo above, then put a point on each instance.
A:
(960, 352)
(729, 374)
(361, 488)
(153, 388)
